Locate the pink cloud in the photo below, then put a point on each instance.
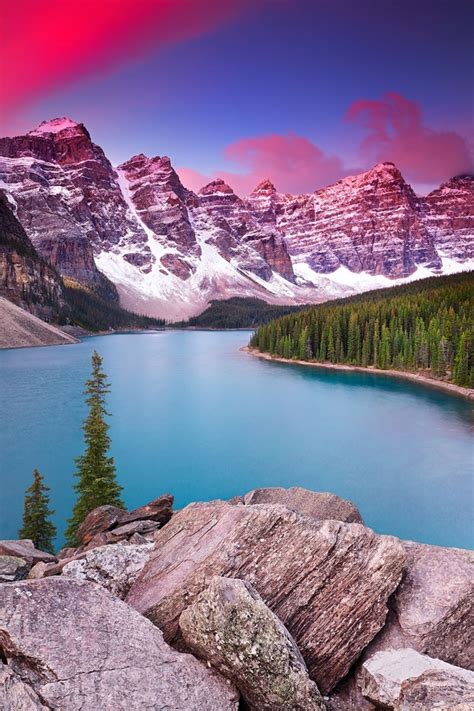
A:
(396, 132)
(293, 163)
(48, 44)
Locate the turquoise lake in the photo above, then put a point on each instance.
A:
(195, 416)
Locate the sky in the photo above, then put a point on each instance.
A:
(303, 92)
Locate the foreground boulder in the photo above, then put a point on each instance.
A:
(79, 648)
(24, 548)
(327, 581)
(318, 505)
(12, 568)
(404, 679)
(230, 626)
(432, 611)
(433, 608)
(114, 567)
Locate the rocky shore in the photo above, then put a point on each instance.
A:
(405, 375)
(277, 600)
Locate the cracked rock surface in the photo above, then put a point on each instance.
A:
(230, 626)
(77, 648)
(328, 582)
(432, 609)
(315, 504)
(405, 680)
(115, 567)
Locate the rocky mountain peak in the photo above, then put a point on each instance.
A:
(265, 187)
(215, 187)
(57, 125)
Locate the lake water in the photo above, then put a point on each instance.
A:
(195, 416)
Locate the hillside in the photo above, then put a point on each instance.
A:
(424, 327)
(238, 312)
(89, 310)
(20, 329)
(26, 278)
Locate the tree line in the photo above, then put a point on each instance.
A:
(237, 312)
(424, 326)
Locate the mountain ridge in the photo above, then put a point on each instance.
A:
(169, 251)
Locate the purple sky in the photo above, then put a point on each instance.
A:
(303, 91)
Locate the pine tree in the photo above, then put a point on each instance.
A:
(97, 484)
(461, 363)
(36, 515)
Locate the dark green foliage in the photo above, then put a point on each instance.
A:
(36, 515)
(237, 313)
(90, 311)
(97, 484)
(425, 325)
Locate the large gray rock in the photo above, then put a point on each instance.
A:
(12, 568)
(129, 529)
(24, 548)
(389, 677)
(432, 611)
(327, 581)
(230, 626)
(318, 505)
(81, 649)
(433, 608)
(115, 567)
(436, 690)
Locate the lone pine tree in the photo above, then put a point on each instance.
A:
(97, 484)
(36, 515)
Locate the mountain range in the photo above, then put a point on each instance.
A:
(137, 230)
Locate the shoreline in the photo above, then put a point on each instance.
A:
(452, 388)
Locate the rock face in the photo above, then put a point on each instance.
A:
(19, 558)
(12, 568)
(298, 566)
(68, 199)
(366, 223)
(109, 524)
(432, 609)
(102, 518)
(24, 548)
(405, 679)
(15, 695)
(448, 212)
(26, 279)
(114, 567)
(317, 505)
(20, 329)
(77, 647)
(230, 626)
(170, 250)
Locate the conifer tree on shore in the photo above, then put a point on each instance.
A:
(97, 484)
(36, 515)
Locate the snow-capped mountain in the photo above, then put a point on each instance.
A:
(169, 250)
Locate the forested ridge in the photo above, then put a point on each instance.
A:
(237, 312)
(91, 311)
(423, 326)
